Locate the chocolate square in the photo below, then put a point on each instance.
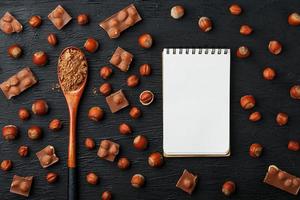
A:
(187, 182)
(121, 59)
(47, 156)
(17, 83)
(117, 101)
(108, 150)
(9, 24)
(21, 185)
(59, 17)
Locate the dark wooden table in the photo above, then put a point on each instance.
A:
(269, 19)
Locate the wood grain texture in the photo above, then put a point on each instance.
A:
(269, 20)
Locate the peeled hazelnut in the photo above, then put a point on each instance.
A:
(23, 114)
(146, 97)
(294, 19)
(34, 132)
(6, 165)
(125, 129)
(91, 45)
(275, 47)
(135, 112)
(51, 177)
(140, 142)
(228, 188)
(52, 39)
(145, 40)
(105, 89)
(35, 21)
(137, 180)
(155, 159)
(243, 52)
(23, 151)
(133, 81)
(282, 119)
(40, 58)
(269, 73)
(205, 24)
(255, 150)
(96, 113)
(106, 195)
(10, 132)
(145, 70)
(293, 145)
(82, 19)
(89, 143)
(245, 30)
(105, 72)
(255, 116)
(247, 102)
(40, 107)
(92, 178)
(177, 12)
(235, 9)
(14, 51)
(295, 92)
(55, 125)
(123, 163)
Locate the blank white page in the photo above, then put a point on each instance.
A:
(196, 101)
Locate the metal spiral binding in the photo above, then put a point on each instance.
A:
(196, 51)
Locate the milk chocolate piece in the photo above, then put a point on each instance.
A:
(187, 182)
(121, 59)
(47, 156)
(282, 180)
(21, 185)
(17, 83)
(59, 17)
(120, 21)
(117, 101)
(9, 24)
(108, 150)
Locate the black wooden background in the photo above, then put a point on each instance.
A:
(269, 20)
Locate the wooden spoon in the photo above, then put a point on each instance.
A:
(73, 98)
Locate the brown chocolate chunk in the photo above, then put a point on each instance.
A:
(117, 101)
(47, 156)
(282, 180)
(59, 17)
(9, 24)
(187, 182)
(108, 150)
(121, 59)
(120, 21)
(21, 185)
(17, 83)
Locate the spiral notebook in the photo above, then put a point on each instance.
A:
(196, 101)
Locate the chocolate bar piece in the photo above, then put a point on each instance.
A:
(117, 101)
(21, 185)
(108, 150)
(17, 83)
(120, 21)
(121, 59)
(282, 180)
(59, 17)
(187, 182)
(9, 24)
(47, 156)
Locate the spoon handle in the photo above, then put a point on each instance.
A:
(72, 184)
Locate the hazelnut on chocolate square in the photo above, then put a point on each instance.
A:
(108, 150)
(47, 156)
(187, 182)
(9, 24)
(117, 101)
(59, 17)
(21, 185)
(121, 59)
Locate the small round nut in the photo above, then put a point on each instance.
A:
(155, 160)
(125, 129)
(269, 73)
(228, 188)
(123, 163)
(245, 30)
(282, 119)
(96, 113)
(294, 145)
(247, 102)
(52, 39)
(51, 177)
(14, 51)
(35, 21)
(275, 47)
(235, 9)
(6, 165)
(177, 12)
(146, 97)
(24, 114)
(294, 19)
(137, 180)
(255, 116)
(40, 58)
(133, 81)
(91, 45)
(92, 178)
(23, 151)
(106, 195)
(255, 150)
(205, 24)
(105, 72)
(10, 132)
(34, 132)
(145, 41)
(295, 92)
(89, 143)
(105, 89)
(135, 112)
(55, 125)
(82, 19)
(243, 52)
(40, 107)
(145, 70)
(140, 142)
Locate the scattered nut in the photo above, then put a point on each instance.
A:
(105, 89)
(146, 97)
(294, 19)
(14, 51)
(40, 58)
(24, 114)
(255, 116)
(140, 142)
(91, 45)
(6, 165)
(245, 30)
(145, 41)
(177, 12)
(295, 92)
(282, 119)
(55, 125)
(34, 132)
(228, 188)
(35, 21)
(145, 70)
(23, 151)
(205, 24)
(96, 113)
(51, 177)
(235, 9)
(255, 150)
(155, 159)
(243, 52)
(137, 180)
(105, 72)
(82, 19)
(275, 47)
(106, 195)
(123, 163)
(52, 39)
(293, 145)
(269, 73)
(40, 107)
(125, 129)
(89, 143)
(247, 102)
(135, 112)
(92, 178)
(133, 81)
(10, 132)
